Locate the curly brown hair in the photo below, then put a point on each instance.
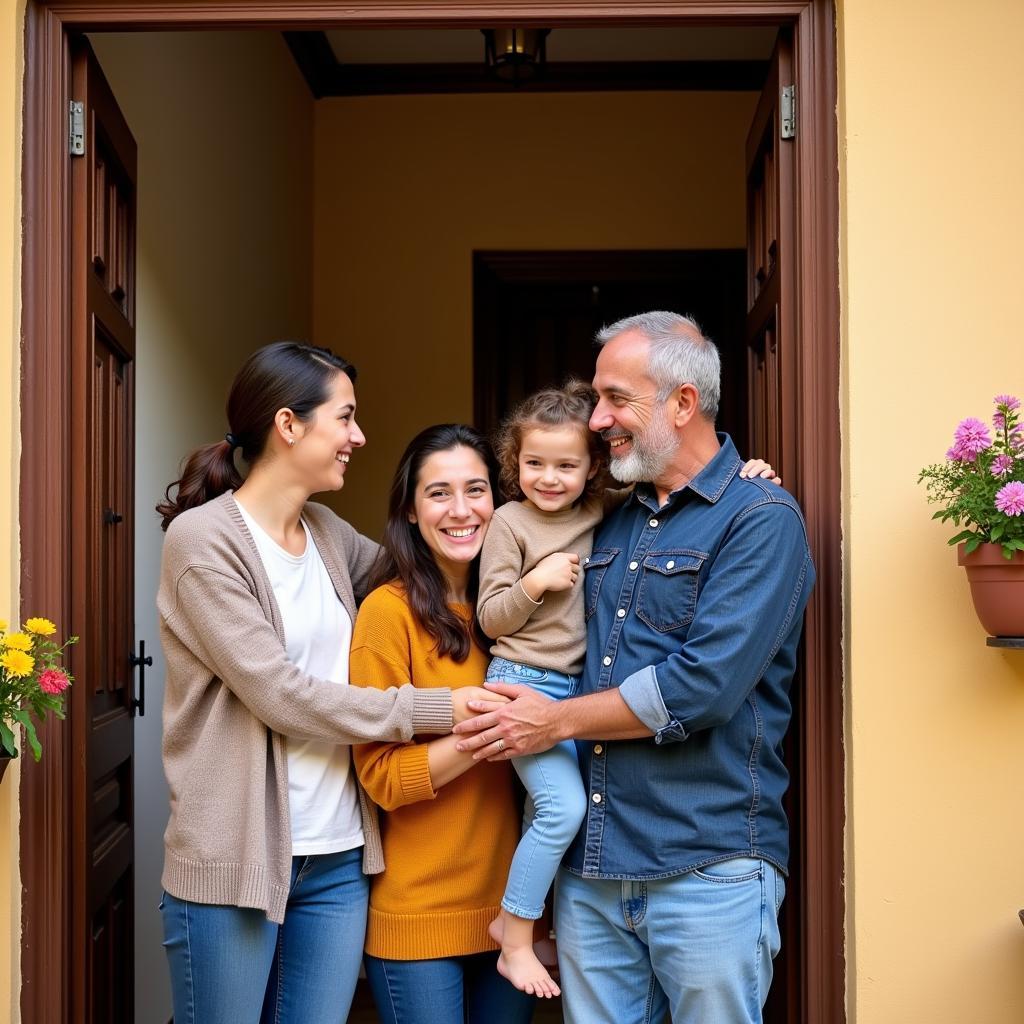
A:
(569, 405)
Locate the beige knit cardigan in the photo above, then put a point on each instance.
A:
(231, 697)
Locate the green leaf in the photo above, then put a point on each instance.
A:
(7, 737)
(998, 530)
(961, 537)
(973, 544)
(30, 732)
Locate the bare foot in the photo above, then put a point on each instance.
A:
(521, 966)
(518, 962)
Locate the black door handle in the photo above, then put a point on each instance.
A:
(141, 661)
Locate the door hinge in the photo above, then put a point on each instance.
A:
(76, 128)
(787, 112)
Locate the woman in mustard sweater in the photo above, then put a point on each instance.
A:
(451, 823)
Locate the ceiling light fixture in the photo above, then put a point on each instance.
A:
(515, 54)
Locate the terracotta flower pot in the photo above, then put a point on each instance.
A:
(997, 588)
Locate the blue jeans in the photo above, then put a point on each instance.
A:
(230, 965)
(556, 803)
(450, 990)
(699, 945)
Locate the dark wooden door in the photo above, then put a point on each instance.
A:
(772, 405)
(771, 299)
(535, 315)
(103, 181)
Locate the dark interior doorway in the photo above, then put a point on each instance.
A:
(535, 315)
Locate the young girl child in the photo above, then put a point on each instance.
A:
(529, 605)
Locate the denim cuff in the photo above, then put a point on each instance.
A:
(643, 697)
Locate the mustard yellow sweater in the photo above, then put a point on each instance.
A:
(446, 852)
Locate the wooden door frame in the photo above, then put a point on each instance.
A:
(46, 421)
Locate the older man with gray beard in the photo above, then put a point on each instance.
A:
(668, 899)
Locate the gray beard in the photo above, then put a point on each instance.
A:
(652, 452)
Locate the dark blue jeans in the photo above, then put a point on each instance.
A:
(230, 965)
(452, 990)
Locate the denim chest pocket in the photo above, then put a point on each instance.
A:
(668, 589)
(594, 568)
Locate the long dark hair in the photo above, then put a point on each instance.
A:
(285, 375)
(405, 557)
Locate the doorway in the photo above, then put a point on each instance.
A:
(827, 885)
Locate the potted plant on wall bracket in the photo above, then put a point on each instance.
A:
(980, 487)
(32, 683)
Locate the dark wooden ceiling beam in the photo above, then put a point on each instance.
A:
(327, 76)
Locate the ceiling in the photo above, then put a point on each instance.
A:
(465, 46)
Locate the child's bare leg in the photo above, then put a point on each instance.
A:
(518, 962)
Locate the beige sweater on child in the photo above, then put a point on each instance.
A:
(232, 697)
(550, 633)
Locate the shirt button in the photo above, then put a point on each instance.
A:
(634, 565)
(653, 522)
(586, 561)
(670, 565)
(597, 798)
(621, 613)
(598, 749)
(607, 659)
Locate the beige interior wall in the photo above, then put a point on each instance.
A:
(12, 22)
(224, 125)
(933, 210)
(407, 187)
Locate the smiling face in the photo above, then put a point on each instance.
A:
(554, 466)
(452, 506)
(325, 443)
(628, 414)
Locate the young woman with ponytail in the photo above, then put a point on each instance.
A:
(270, 836)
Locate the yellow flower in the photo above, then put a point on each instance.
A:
(17, 642)
(44, 627)
(3, 625)
(17, 663)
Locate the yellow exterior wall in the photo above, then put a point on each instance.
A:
(407, 187)
(932, 213)
(12, 63)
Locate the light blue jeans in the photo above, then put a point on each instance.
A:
(230, 965)
(699, 945)
(556, 802)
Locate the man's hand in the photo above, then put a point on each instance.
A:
(558, 571)
(461, 698)
(525, 725)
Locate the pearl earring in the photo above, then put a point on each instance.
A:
(291, 441)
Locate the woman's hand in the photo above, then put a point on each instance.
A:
(464, 694)
(758, 467)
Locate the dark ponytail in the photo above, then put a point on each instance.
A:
(285, 375)
(404, 556)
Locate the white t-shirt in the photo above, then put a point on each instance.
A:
(322, 797)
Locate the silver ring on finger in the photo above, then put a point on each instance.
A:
(501, 744)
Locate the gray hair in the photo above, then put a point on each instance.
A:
(680, 354)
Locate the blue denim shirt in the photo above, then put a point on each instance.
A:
(694, 611)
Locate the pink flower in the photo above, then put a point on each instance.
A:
(53, 681)
(998, 420)
(1001, 465)
(1010, 499)
(1007, 400)
(971, 437)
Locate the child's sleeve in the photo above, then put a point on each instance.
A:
(393, 774)
(503, 607)
(614, 497)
